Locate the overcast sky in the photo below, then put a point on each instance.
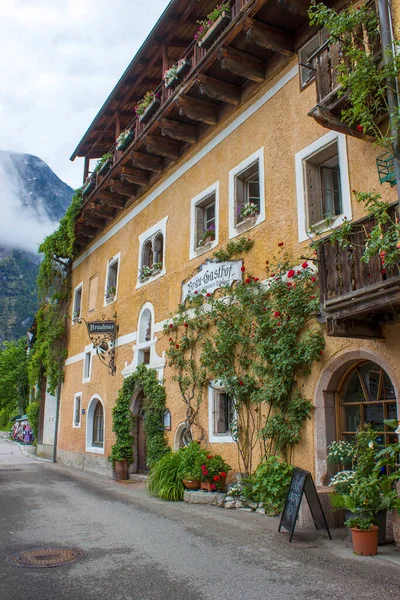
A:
(59, 60)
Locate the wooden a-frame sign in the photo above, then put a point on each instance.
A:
(302, 483)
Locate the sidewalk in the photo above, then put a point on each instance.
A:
(28, 450)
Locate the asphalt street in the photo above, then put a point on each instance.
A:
(141, 548)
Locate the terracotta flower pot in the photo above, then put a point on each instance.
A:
(191, 484)
(365, 542)
(220, 486)
(121, 469)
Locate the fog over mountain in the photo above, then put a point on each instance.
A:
(32, 201)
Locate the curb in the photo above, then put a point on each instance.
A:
(28, 454)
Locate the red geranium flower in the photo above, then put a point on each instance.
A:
(222, 473)
(243, 269)
(208, 295)
(305, 265)
(256, 279)
(217, 477)
(291, 273)
(289, 284)
(205, 472)
(360, 128)
(247, 280)
(313, 279)
(213, 486)
(203, 467)
(277, 313)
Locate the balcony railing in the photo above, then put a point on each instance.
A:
(195, 54)
(353, 289)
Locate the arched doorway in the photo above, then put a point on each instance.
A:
(139, 435)
(357, 386)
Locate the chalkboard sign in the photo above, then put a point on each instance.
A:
(302, 483)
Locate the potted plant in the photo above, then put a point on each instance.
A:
(89, 185)
(111, 291)
(192, 456)
(171, 78)
(364, 535)
(214, 23)
(213, 473)
(183, 67)
(75, 316)
(147, 272)
(208, 236)
(104, 164)
(147, 106)
(247, 213)
(124, 139)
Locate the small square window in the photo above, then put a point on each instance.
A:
(322, 185)
(307, 72)
(247, 193)
(205, 221)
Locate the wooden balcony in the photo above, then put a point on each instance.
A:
(331, 99)
(357, 297)
(257, 42)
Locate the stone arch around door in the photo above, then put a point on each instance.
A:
(139, 438)
(327, 388)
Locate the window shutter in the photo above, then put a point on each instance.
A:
(313, 194)
(199, 224)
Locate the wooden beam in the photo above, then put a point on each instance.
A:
(89, 232)
(353, 328)
(112, 199)
(104, 212)
(148, 162)
(162, 147)
(123, 188)
(198, 110)
(220, 90)
(329, 120)
(178, 131)
(242, 64)
(93, 221)
(269, 37)
(134, 175)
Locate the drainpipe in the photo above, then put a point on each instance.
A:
(385, 18)
(58, 393)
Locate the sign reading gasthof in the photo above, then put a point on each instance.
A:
(101, 326)
(212, 276)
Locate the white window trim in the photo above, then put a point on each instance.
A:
(300, 157)
(235, 230)
(79, 286)
(77, 395)
(193, 251)
(161, 227)
(89, 426)
(112, 260)
(88, 348)
(221, 438)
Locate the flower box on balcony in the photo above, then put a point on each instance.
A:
(150, 110)
(171, 82)
(214, 31)
(125, 139)
(89, 186)
(106, 166)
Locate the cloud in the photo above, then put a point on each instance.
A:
(22, 227)
(59, 62)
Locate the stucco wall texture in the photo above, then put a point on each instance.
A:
(282, 128)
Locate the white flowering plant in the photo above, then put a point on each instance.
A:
(342, 481)
(235, 491)
(341, 453)
(250, 209)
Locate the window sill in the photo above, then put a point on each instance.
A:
(76, 426)
(95, 450)
(244, 226)
(221, 439)
(321, 227)
(200, 250)
(108, 301)
(153, 278)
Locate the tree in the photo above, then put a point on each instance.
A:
(14, 388)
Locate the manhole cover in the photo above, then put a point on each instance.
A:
(46, 557)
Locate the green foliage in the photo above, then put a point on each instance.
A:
(259, 341)
(102, 160)
(14, 389)
(154, 407)
(214, 468)
(362, 523)
(361, 73)
(54, 283)
(165, 478)
(192, 457)
(33, 413)
(233, 248)
(210, 19)
(269, 485)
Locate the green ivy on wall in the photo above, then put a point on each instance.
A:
(154, 408)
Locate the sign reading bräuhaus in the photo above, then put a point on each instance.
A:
(211, 276)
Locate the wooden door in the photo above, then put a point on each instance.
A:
(141, 441)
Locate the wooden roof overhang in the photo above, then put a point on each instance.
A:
(259, 41)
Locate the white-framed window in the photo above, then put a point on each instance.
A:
(87, 364)
(306, 53)
(77, 303)
(93, 289)
(204, 221)
(151, 263)
(221, 413)
(246, 194)
(76, 419)
(95, 426)
(322, 184)
(112, 275)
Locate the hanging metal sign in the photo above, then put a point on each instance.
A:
(102, 334)
(98, 327)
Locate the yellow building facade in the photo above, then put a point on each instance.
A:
(267, 146)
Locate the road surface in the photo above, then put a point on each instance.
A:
(140, 548)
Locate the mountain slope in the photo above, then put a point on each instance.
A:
(30, 192)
